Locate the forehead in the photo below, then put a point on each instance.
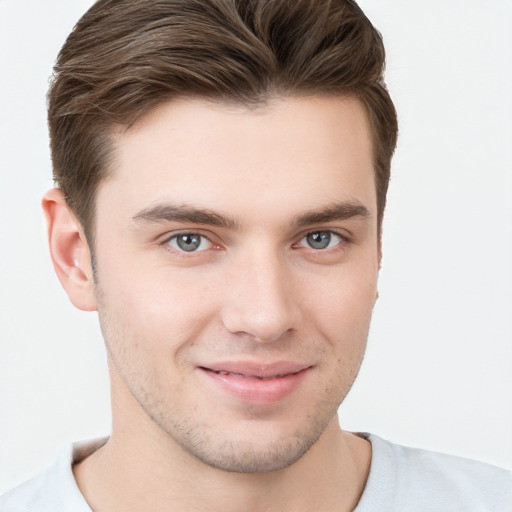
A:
(286, 153)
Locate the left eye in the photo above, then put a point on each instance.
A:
(320, 240)
(189, 242)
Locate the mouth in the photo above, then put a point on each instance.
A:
(256, 383)
(244, 376)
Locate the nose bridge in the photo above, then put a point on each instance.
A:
(261, 303)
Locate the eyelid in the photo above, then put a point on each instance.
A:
(184, 231)
(342, 234)
(166, 239)
(202, 241)
(345, 237)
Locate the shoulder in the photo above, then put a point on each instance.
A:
(455, 478)
(55, 489)
(427, 480)
(33, 494)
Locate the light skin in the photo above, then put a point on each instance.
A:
(237, 258)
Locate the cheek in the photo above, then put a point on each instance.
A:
(343, 316)
(154, 308)
(347, 299)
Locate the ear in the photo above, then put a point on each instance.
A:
(69, 251)
(379, 255)
(379, 251)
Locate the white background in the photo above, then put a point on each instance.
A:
(438, 367)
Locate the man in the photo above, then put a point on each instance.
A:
(222, 171)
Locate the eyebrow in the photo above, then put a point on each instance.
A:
(337, 211)
(176, 213)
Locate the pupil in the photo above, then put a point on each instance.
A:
(188, 242)
(319, 240)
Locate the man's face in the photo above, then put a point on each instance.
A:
(237, 261)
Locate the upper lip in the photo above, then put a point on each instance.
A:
(255, 369)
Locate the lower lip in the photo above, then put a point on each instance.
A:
(257, 391)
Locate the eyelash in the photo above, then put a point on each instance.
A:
(183, 253)
(343, 240)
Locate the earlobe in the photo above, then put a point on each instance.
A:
(69, 251)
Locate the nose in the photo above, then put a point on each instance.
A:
(261, 301)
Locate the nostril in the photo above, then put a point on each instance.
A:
(261, 302)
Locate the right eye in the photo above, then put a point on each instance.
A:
(189, 242)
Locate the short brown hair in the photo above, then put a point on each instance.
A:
(125, 57)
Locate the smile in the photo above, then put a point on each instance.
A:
(257, 377)
(255, 384)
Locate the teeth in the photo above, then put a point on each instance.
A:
(253, 377)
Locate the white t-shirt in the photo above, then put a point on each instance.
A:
(401, 479)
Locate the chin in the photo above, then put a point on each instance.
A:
(239, 457)
(255, 447)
